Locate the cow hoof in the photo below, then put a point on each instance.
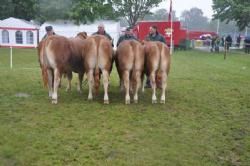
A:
(127, 102)
(136, 101)
(162, 101)
(106, 102)
(54, 101)
(154, 101)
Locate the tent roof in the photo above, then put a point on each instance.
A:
(17, 23)
(110, 26)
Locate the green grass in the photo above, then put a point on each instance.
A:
(205, 121)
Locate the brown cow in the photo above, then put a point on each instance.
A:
(77, 46)
(130, 64)
(157, 66)
(97, 58)
(59, 55)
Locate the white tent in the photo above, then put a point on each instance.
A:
(18, 33)
(68, 29)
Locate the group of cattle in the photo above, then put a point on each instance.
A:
(94, 56)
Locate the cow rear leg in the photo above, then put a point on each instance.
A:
(137, 85)
(69, 77)
(153, 84)
(79, 87)
(163, 87)
(105, 86)
(91, 84)
(143, 84)
(126, 85)
(57, 79)
(50, 81)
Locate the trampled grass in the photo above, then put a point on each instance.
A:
(205, 121)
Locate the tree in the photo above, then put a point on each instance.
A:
(52, 10)
(89, 10)
(160, 14)
(17, 8)
(193, 19)
(229, 10)
(133, 10)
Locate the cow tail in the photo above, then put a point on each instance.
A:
(159, 72)
(133, 74)
(97, 72)
(44, 67)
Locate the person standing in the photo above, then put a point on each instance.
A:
(238, 41)
(49, 32)
(101, 31)
(247, 44)
(127, 36)
(228, 41)
(153, 35)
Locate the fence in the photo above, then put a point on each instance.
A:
(17, 58)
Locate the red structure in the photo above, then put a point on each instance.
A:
(180, 35)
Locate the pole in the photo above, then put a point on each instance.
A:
(171, 38)
(246, 32)
(218, 27)
(225, 48)
(171, 26)
(11, 63)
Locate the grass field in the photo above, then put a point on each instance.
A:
(205, 121)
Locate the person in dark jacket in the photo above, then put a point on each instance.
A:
(153, 35)
(238, 40)
(247, 44)
(101, 31)
(228, 41)
(49, 32)
(127, 36)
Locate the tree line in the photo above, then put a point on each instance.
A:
(234, 12)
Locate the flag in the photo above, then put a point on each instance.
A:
(170, 11)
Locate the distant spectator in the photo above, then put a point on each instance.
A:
(213, 43)
(247, 44)
(49, 32)
(229, 42)
(238, 41)
(222, 41)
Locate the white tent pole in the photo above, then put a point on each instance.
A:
(171, 37)
(11, 63)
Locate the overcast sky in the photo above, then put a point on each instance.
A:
(180, 5)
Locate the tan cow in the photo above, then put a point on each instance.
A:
(97, 60)
(59, 55)
(157, 66)
(130, 64)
